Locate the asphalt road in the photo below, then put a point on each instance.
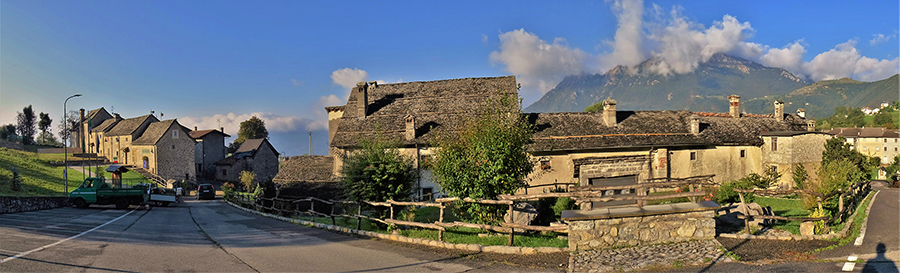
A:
(202, 236)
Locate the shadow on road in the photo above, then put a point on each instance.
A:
(880, 263)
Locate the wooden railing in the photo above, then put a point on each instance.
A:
(855, 192)
(596, 193)
(279, 205)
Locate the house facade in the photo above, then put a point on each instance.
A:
(254, 155)
(210, 148)
(881, 143)
(166, 149)
(121, 135)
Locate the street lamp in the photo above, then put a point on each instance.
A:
(66, 143)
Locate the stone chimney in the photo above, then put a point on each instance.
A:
(195, 128)
(735, 106)
(801, 112)
(222, 129)
(810, 125)
(609, 112)
(117, 116)
(779, 110)
(695, 125)
(410, 132)
(362, 99)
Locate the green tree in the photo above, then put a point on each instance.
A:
(246, 178)
(883, 118)
(377, 172)
(252, 128)
(594, 108)
(487, 158)
(7, 131)
(799, 175)
(26, 124)
(45, 137)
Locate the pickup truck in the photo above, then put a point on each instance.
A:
(95, 190)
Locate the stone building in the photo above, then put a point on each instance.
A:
(210, 148)
(98, 133)
(254, 155)
(610, 147)
(614, 147)
(881, 143)
(308, 176)
(783, 151)
(118, 139)
(411, 113)
(166, 149)
(88, 124)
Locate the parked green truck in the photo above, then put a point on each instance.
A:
(95, 190)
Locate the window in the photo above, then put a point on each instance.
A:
(774, 144)
(427, 194)
(693, 155)
(743, 153)
(545, 164)
(224, 172)
(173, 147)
(174, 133)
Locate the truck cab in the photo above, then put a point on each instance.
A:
(95, 190)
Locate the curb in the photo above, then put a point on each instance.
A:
(419, 241)
(841, 234)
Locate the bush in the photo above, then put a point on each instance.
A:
(377, 172)
(247, 180)
(563, 203)
(820, 228)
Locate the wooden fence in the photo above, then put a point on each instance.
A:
(856, 193)
(316, 207)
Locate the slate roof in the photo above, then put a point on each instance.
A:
(106, 125)
(92, 113)
(316, 168)
(865, 132)
(201, 133)
(156, 131)
(586, 131)
(128, 126)
(247, 149)
(436, 105)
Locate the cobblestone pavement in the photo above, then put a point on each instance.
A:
(634, 258)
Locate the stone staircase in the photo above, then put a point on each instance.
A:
(160, 182)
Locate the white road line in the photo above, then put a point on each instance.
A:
(64, 240)
(848, 266)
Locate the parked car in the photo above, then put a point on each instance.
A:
(206, 191)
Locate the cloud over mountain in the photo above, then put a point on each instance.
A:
(678, 45)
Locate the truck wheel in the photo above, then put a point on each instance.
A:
(164, 204)
(80, 203)
(121, 203)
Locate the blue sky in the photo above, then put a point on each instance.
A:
(214, 63)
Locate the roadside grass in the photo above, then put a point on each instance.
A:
(454, 235)
(38, 177)
(855, 227)
(786, 208)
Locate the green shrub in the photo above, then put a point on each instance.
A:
(563, 203)
(820, 228)
(247, 180)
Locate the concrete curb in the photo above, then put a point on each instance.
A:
(419, 241)
(841, 234)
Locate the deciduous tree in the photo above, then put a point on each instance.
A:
(377, 172)
(26, 124)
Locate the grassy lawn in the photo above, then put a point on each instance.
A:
(786, 208)
(38, 177)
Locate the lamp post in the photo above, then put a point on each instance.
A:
(66, 143)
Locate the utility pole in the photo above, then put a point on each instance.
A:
(310, 143)
(66, 144)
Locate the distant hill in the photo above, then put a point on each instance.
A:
(820, 98)
(637, 88)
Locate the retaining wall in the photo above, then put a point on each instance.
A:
(9, 204)
(641, 230)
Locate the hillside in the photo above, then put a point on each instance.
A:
(820, 98)
(636, 88)
(39, 178)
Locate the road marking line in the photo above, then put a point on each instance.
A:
(64, 240)
(848, 266)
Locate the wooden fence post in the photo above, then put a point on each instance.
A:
(512, 231)
(441, 220)
(359, 216)
(332, 215)
(746, 213)
(392, 210)
(312, 209)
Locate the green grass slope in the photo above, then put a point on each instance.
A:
(38, 177)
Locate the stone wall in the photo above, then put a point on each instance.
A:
(264, 164)
(10, 204)
(175, 155)
(646, 230)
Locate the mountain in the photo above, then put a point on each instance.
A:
(638, 88)
(820, 98)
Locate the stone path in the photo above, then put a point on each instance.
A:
(668, 255)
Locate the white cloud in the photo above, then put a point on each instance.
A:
(628, 44)
(682, 45)
(790, 57)
(881, 38)
(348, 77)
(274, 123)
(296, 82)
(537, 63)
(484, 38)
